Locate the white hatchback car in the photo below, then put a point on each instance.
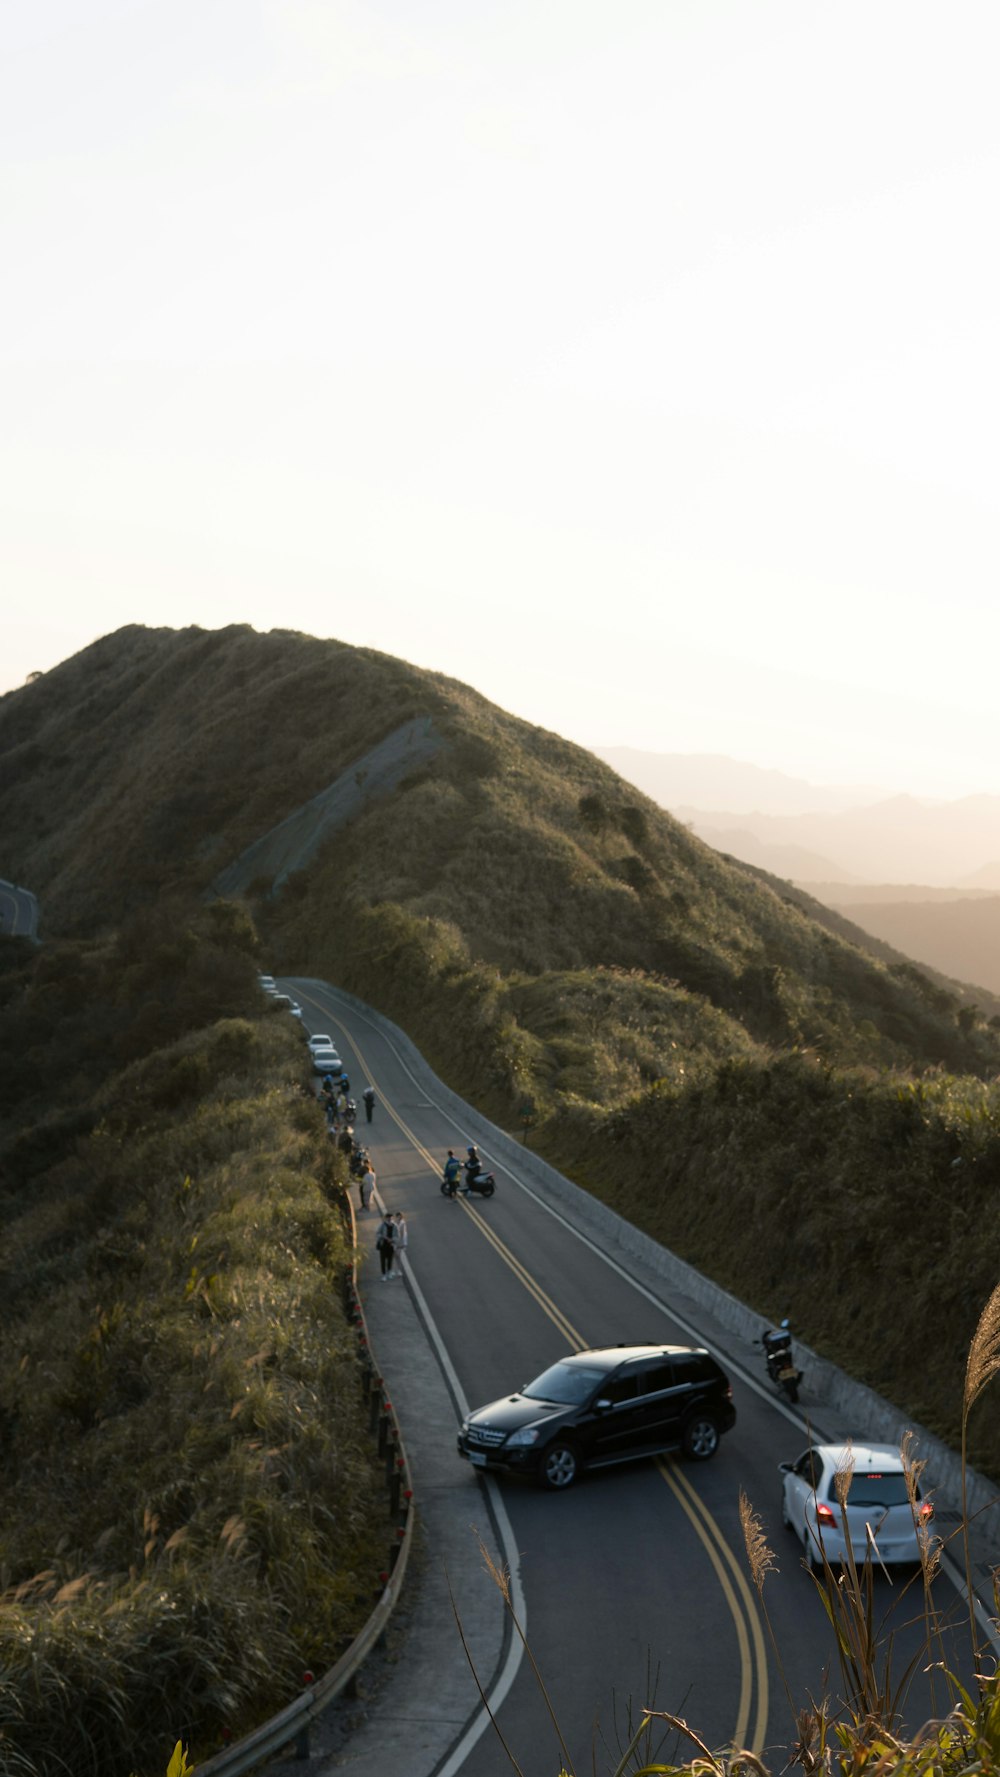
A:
(321, 1042)
(877, 1498)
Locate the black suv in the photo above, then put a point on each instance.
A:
(599, 1407)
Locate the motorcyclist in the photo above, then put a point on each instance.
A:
(777, 1342)
(452, 1171)
(473, 1164)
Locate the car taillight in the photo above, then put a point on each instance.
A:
(824, 1516)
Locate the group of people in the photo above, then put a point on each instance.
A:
(391, 1241)
(340, 1109)
(392, 1235)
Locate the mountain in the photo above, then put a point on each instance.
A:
(986, 877)
(540, 926)
(767, 819)
(791, 861)
(819, 1110)
(898, 840)
(960, 938)
(712, 781)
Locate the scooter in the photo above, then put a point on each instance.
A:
(777, 1343)
(472, 1184)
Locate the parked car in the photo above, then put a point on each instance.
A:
(327, 1061)
(321, 1042)
(613, 1404)
(267, 982)
(287, 1004)
(877, 1499)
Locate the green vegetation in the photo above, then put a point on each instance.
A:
(700, 1046)
(186, 1500)
(547, 936)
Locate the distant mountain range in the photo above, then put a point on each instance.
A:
(958, 937)
(713, 781)
(811, 833)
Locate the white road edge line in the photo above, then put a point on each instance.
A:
(497, 1692)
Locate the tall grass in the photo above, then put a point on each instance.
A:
(189, 1506)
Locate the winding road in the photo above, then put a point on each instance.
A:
(18, 912)
(634, 1584)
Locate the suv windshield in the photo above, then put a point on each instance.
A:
(568, 1384)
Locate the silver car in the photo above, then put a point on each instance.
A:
(876, 1504)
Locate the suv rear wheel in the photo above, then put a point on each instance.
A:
(560, 1466)
(700, 1439)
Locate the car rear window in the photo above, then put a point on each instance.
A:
(875, 1490)
(569, 1384)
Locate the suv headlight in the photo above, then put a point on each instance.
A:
(528, 1434)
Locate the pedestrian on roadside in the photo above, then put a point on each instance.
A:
(366, 1187)
(385, 1241)
(402, 1242)
(452, 1172)
(369, 1097)
(331, 1115)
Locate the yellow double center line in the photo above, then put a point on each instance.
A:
(728, 1572)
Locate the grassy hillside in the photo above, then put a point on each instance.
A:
(152, 760)
(864, 1206)
(546, 935)
(190, 1512)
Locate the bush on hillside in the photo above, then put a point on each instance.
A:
(186, 1502)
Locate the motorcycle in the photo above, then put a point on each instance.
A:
(777, 1343)
(473, 1184)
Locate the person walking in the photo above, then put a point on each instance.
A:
(369, 1097)
(366, 1187)
(402, 1242)
(385, 1241)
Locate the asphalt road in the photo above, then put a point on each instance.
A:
(18, 911)
(635, 1582)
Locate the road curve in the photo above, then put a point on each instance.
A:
(634, 1585)
(18, 912)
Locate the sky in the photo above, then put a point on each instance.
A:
(636, 363)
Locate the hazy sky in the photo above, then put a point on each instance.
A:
(635, 362)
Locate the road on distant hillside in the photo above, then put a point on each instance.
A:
(18, 911)
(635, 1580)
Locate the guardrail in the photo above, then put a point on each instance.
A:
(294, 1721)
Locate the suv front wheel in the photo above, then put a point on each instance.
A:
(701, 1438)
(560, 1466)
